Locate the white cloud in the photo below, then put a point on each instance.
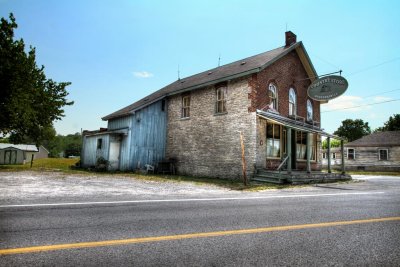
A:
(381, 98)
(143, 74)
(343, 102)
(354, 104)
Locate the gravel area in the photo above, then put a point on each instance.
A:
(34, 186)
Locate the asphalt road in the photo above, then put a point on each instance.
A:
(355, 224)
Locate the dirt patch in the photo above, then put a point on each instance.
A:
(26, 186)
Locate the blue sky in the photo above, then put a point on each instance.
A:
(116, 52)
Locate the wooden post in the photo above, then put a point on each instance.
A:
(308, 153)
(289, 149)
(32, 160)
(342, 151)
(243, 160)
(329, 155)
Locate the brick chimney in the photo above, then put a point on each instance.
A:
(290, 38)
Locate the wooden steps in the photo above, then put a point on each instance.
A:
(298, 177)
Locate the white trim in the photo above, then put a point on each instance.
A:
(379, 153)
(354, 154)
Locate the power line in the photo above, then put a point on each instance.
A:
(381, 93)
(387, 101)
(374, 66)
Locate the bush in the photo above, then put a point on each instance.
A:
(101, 164)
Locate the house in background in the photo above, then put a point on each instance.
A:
(375, 152)
(20, 154)
(196, 122)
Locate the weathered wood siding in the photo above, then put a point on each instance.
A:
(90, 153)
(148, 135)
(119, 123)
(122, 123)
(367, 158)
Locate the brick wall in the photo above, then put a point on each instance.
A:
(207, 144)
(285, 73)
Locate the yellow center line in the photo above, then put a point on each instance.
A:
(9, 251)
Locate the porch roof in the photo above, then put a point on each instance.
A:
(297, 125)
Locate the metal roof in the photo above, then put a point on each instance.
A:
(31, 148)
(297, 125)
(226, 72)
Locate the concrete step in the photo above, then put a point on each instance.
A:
(264, 179)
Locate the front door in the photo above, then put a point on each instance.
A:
(114, 155)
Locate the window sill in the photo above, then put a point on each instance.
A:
(185, 118)
(220, 114)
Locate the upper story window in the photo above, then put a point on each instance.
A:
(273, 94)
(186, 106)
(292, 102)
(221, 100)
(309, 110)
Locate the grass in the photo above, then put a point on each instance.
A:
(49, 164)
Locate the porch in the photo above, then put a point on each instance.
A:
(298, 177)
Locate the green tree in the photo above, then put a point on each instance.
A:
(353, 129)
(334, 143)
(393, 124)
(29, 102)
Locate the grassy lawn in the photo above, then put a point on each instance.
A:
(50, 164)
(63, 165)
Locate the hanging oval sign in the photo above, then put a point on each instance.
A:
(327, 88)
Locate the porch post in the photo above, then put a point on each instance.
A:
(329, 155)
(289, 149)
(342, 151)
(308, 153)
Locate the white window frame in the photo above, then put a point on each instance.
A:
(354, 153)
(222, 99)
(387, 153)
(292, 102)
(310, 115)
(324, 155)
(185, 107)
(274, 141)
(333, 155)
(273, 94)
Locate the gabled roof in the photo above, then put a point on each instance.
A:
(30, 148)
(389, 138)
(226, 72)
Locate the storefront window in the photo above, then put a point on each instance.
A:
(301, 145)
(273, 140)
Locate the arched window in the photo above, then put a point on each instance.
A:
(309, 110)
(273, 94)
(292, 102)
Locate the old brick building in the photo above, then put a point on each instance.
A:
(197, 121)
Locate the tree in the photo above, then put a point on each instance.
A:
(29, 102)
(353, 129)
(334, 143)
(393, 124)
